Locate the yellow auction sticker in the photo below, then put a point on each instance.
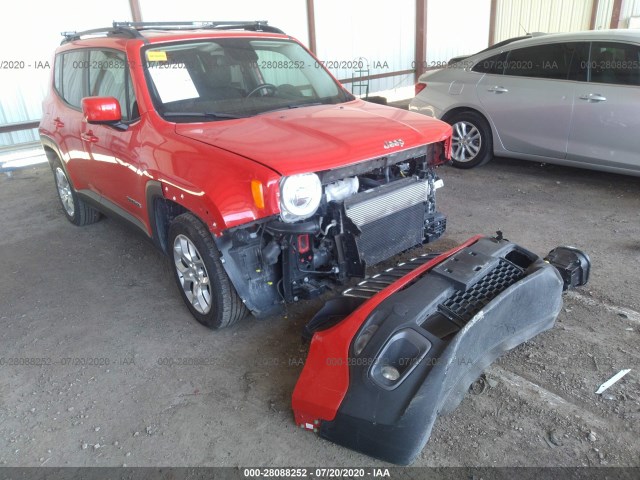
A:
(157, 56)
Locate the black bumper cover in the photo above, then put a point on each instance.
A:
(432, 339)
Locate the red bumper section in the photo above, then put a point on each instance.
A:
(376, 380)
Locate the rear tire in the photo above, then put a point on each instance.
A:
(200, 276)
(75, 209)
(472, 141)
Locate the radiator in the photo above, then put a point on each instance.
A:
(390, 218)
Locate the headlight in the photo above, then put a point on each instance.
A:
(300, 196)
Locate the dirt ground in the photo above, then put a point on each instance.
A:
(97, 306)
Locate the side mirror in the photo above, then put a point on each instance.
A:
(101, 110)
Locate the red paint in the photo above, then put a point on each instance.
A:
(101, 109)
(319, 138)
(209, 167)
(325, 378)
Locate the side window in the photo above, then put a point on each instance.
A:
(109, 77)
(616, 63)
(579, 62)
(73, 77)
(550, 61)
(492, 65)
(57, 74)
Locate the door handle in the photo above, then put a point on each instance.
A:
(58, 123)
(593, 97)
(498, 89)
(89, 137)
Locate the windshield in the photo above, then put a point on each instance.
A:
(227, 78)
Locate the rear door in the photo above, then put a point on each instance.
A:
(70, 84)
(531, 103)
(606, 121)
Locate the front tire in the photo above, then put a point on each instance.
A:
(75, 209)
(200, 275)
(472, 142)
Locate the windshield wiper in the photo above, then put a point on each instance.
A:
(222, 116)
(296, 105)
(300, 105)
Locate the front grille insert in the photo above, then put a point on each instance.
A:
(463, 305)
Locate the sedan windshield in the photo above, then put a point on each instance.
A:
(233, 78)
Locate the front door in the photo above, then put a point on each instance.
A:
(113, 150)
(531, 103)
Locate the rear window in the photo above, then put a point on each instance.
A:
(492, 65)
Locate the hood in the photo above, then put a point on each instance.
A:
(317, 138)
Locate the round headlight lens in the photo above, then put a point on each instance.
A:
(300, 196)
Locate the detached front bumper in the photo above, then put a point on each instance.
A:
(420, 334)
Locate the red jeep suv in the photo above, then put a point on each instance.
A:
(233, 148)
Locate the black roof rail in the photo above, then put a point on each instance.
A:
(115, 30)
(253, 25)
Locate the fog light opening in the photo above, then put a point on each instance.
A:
(390, 373)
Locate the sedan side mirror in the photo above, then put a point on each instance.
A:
(102, 110)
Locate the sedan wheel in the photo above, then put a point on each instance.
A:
(471, 140)
(466, 142)
(192, 274)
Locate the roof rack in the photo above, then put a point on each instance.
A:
(252, 25)
(116, 30)
(132, 29)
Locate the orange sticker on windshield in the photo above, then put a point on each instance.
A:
(157, 56)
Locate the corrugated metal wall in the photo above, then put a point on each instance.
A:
(516, 17)
(630, 8)
(603, 15)
(378, 38)
(289, 15)
(463, 33)
(31, 37)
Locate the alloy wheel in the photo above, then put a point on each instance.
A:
(192, 273)
(466, 141)
(64, 192)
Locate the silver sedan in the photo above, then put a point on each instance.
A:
(571, 99)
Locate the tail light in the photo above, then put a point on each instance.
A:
(420, 86)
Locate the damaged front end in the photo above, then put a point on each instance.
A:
(403, 346)
(365, 213)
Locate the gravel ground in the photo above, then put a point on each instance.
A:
(92, 314)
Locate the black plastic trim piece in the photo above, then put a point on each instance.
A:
(258, 295)
(112, 210)
(153, 191)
